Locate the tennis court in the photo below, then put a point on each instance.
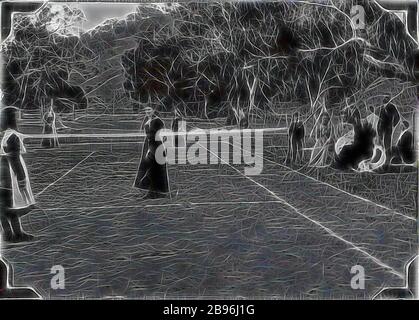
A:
(280, 234)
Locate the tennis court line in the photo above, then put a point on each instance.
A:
(331, 186)
(179, 204)
(328, 230)
(51, 184)
(346, 192)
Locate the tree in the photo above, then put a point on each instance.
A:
(39, 58)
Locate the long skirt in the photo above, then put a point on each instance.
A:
(15, 198)
(151, 175)
(50, 142)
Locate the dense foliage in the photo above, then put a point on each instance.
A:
(208, 58)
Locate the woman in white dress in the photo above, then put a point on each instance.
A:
(16, 198)
(50, 128)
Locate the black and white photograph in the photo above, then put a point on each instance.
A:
(209, 150)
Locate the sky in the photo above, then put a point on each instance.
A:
(96, 13)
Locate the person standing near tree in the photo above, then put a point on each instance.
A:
(321, 155)
(50, 128)
(389, 119)
(296, 135)
(404, 150)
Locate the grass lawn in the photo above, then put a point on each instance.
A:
(282, 234)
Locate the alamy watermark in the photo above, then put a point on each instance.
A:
(358, 17)
(213, 146)
(358, 278)
(58, 279)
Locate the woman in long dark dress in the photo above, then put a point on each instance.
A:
(296, 135)
(388, 126)
(50, 128)
(16, 198)
(152, 172)
(404, 151)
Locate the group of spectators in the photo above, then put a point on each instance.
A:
(381, 140)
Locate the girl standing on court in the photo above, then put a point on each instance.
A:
(16, 198)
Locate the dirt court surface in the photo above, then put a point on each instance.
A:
(281, 234)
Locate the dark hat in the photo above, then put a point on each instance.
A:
(8, 118)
